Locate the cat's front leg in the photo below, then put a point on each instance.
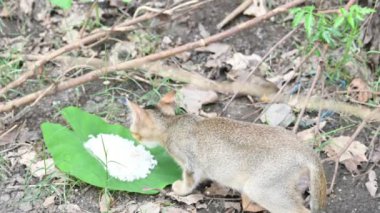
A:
(186, 185)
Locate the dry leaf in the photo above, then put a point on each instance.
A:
(352, 157)
(371, 185)
(217, 48)
(375, 155)
(240, 61)
(10, 137)
(105, 202)
(71, 36)
(72, 208)
(189, 199)
(192, 99)
(49, 201)
(232, 205)
(202, 30)
(257, 8)
(250, 206)
(43, 167)
(170, 209)
(26, 155)
(359, 90)
(150, 207)
(26, 6)
(309, 134)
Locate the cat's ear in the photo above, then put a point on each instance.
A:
(136, 113)
(167, 103)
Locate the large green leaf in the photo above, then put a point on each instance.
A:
(70, 156)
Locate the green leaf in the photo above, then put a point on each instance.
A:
(338, 21)
(127, 1)
(343, 11)
(64, 4)
(298, 18)
(327, 38)
(309, 22)
(70, 156)
(351, 21)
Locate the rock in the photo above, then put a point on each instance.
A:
(72, 208)
(25, 207)
(5, 197)
(278, 115)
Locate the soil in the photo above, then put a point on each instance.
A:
(350, 193)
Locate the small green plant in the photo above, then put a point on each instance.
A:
(160, 86)
(146, 43)
(337, 30)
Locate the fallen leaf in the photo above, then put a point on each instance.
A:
(217, 49)
(150, 207)
(42, 168)
(217, 189)
(71, 36)
(375, 155)
(256, 9)
(26, 6)
(249, 206)
(309, 134)
(278, 115)
(131, 207)
(371, 184)
(105, 202)
(359, 90)
(192, 99)
(240, 61)
(189, 199)
(352, 157)
(48, 201)
(233, 205)
(202, 31)
(72, 208)
(10, 137)
(170, 209)
(27, 156)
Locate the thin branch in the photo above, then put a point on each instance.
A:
(244, 5)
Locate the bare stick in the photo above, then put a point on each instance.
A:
(244, 5)
(153, 57)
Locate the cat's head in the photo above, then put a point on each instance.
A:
(148, 125)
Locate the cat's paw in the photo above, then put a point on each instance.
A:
(179, 188)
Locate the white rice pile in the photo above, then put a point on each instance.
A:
(124, 160)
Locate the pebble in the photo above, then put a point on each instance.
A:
(5, 197)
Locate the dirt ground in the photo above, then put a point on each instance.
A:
(20, 192)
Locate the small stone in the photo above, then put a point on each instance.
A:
(72, 208)
(25, 207)
(5, 197)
